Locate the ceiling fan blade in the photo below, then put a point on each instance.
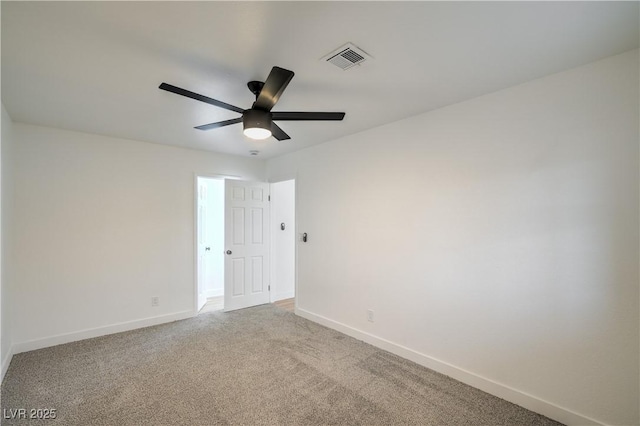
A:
(275, 84)
(278, 133)
(197, 97)
(219, 124)
(299, 116)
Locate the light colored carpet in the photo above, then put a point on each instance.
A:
(257, 366)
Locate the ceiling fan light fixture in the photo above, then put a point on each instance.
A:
(257, 133)
(257, 124)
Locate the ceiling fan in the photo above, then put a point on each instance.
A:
(258, 121)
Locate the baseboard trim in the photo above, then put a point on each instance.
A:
(500, 390)
(5, 363)
(60, 339)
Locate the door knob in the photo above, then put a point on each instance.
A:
(228, 252)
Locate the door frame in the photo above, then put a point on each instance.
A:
(197, 175)
(281, 178)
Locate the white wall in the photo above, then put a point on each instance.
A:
(101, 226)
(495, 240)
(6, 267)
(283, 244)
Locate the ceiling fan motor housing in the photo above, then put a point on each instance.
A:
(256, 118)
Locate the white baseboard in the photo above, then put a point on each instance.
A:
(214, 293)
(285, 295)
(500, 390)
(59, 339)
(5, 363)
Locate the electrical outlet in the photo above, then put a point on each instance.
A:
(369, 315)
(155, 301)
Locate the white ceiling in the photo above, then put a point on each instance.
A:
(96, 66)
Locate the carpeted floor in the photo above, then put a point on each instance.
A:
(257, 366)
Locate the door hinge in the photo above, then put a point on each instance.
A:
(269, 198)
(269, 288)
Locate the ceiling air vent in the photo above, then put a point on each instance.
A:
(347, 56)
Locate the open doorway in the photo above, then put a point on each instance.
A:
(283, 244)
(245, 244)
(210, 244)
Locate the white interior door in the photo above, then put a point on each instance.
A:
(203, 249)
(246, 237)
